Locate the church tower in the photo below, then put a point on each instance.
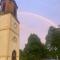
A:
(9, 30)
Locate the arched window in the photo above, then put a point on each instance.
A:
(0, 0)
(0, 8)
(3, 8)
(14, 55)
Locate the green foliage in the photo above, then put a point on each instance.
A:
(56, 41)
(34, 49)
(53, 38)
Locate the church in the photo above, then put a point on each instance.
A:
(9, 30)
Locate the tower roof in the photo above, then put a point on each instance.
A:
(14, 3)
(9, 6)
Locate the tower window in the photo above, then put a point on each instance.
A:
(0, 8)
(3, 6)
(14, 55)
(0, 0)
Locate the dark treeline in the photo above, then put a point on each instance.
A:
(35, 50)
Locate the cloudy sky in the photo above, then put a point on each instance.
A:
(33, 14)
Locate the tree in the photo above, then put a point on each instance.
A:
(53, 42)
(56, 41)
(20, 54)
(34, 49)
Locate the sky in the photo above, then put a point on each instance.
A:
(33, 14)
(47, 8)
